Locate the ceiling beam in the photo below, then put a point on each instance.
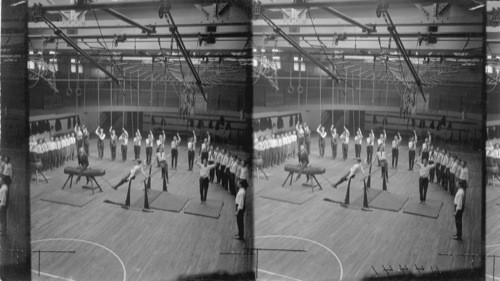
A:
(245, 35)
(153, 36)
(117, 5)
(350, 20)
(334, 3)
(129, 21)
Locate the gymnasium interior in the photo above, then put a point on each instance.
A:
(407, 67)
(172, 68)
(239, 71)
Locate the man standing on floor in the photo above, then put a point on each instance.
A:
(100, 142)
(204, 147)
(358, 140)
(240, 209)
(321, 140)
(423, 182)
(334, 140)
(370, 140)
(137, 144)
(3, 206)
(204, 174)
(191, 146)
(412, 146)
(174, 152)
(149, 147)
(345, 143)
(124, 144)
(162, 162)
(395, 151)
(459, 206)
(112, 143)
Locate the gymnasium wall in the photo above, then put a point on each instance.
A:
(461, 93)
(101, 98)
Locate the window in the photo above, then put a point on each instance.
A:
(74, 65)
(31, 65)
(297, 64)
(489, 69)
(277, 61)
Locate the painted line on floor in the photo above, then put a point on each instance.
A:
(51, 276)
(277, 274)
(91, 243)
(310, 241)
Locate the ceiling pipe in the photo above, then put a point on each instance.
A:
(350, 20)
(129, 21)
(245, 35)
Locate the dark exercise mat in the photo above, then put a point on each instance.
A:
(388, 201)
(211, 209)
(430, 208)
(152, 195)
(370, 193)
(75, 199)
(288, 196)
(169, 202)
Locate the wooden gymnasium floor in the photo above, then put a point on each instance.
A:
(344, 243)
(492, 229)
(112, 243)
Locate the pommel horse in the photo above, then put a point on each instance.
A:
(309, 171)
(91, 173)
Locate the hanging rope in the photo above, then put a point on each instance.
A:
(386, 95)
(84, 99)
(359, 100)
(111, 96)
(352, 97)
(98, 97)
(123, 111)
(68, 90)
(131, 102)
(345, 98)
(78, 91)
(307, 91)
(290, 88)
(373, 94)
(320, 75)
(333, 103)
(300, 90)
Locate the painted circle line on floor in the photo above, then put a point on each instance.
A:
(310, 241)
(88, 242)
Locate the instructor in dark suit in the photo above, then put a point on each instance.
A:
(240, 209)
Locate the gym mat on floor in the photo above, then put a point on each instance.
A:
(371, 195)
(430, 208)
(75, 199)
(169, 202)
(388, 201)
(211, 209)
(288, 196)
(152, 194)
